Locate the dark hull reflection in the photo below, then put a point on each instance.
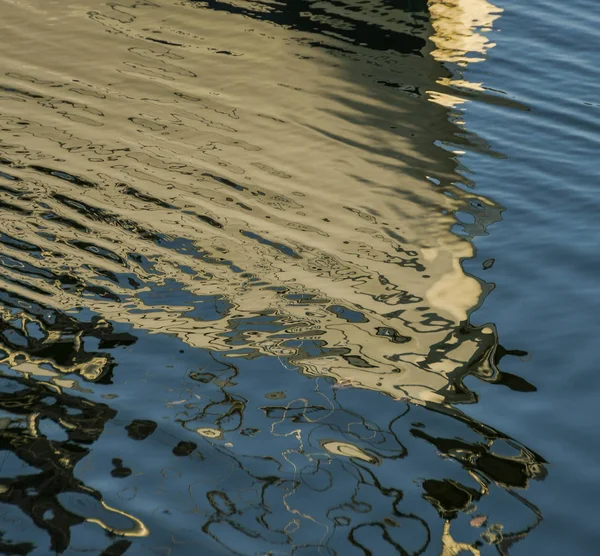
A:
(234, 318)
(353, 22)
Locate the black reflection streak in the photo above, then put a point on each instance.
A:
(36, 494)
(312, 17)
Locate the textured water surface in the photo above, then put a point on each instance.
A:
(297, 277)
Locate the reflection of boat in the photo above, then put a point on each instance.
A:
(308, 215)
(381, 323)
(351, 257)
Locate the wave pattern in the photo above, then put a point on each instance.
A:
(233, 234)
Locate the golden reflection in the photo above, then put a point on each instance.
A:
(347, 450)
(209, 432)
(251, 196)
(300, 214)
(462, 29)
(349, 228)
(138, 529)
(452, 548)
(461, 34)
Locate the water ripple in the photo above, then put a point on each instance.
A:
(234, 316)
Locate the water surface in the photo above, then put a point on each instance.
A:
(283, 278)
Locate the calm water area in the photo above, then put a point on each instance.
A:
(299, 277)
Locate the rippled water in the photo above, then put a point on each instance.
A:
(248, 252)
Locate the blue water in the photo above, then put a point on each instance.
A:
(545, 300)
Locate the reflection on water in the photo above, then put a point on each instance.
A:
(234, 315)
(462, 29)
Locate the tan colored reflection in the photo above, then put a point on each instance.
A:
(450, 547)
(283, 167)
(137, 530)
(348, 450)
(462, 28)
(209, 432)
(461, 36)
